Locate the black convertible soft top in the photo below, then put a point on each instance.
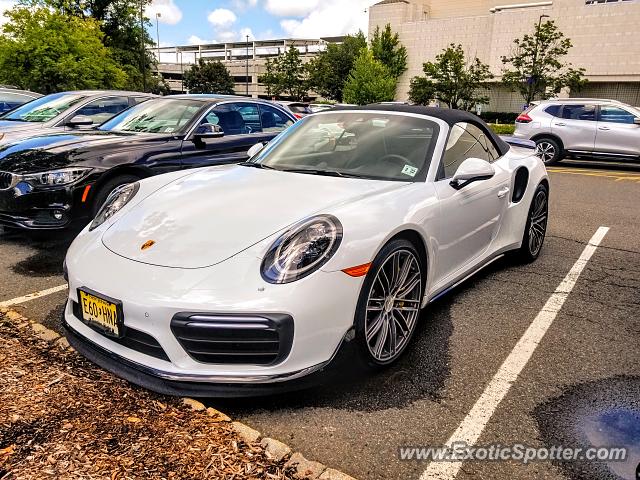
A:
(448, 115)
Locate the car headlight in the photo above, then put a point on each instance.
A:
(114, 203)
(302, 250)
(52, 178)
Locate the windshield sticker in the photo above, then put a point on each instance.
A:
(409, 170)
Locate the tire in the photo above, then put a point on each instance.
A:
(106, 189)
(536, 227)
(549, 150)
(397, 319)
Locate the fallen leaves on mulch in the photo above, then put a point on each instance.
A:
(63, 418)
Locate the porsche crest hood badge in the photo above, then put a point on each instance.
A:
(147, 245)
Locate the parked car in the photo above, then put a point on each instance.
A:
(298, 109)
(11, 98)
(65, 111)
(49, 181)
(248, 279)
(581, 126)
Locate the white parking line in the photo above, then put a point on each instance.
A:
(474, 423)
(33, 296)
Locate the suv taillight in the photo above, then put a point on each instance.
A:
(523, 118)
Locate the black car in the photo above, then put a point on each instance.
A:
(64, 111)
(50, 181)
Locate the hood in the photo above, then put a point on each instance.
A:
(14, 126)
(205, 218)
(47, 152)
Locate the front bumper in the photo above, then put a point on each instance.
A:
(154, 301)
(204, 386)
(40, 209)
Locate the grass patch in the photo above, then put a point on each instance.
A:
(502, 129)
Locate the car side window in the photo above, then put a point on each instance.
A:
(103, 109)
(612, 114)
(553, 110)
(235, 118)
(273, 120)
(466, 141)
(579, 112)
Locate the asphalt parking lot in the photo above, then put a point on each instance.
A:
(580, 387)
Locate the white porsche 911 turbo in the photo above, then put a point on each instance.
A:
(245, 279)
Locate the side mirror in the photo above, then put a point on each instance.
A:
(80, 121)
(208, 130)
(636, 120)
(255, 150)
(472, 170)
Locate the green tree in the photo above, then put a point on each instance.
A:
(209, 77)
(270, 78)
(386, 48)
(46, 51)
(369, 82)
(452, 80)
(422, 91)
(328, 71)
(287, 74)
(536, 67)
(124, 34)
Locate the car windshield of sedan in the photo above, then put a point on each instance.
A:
(359, 144)
(44, 109)
(155, 116)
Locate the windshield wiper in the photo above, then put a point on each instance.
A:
(326, 173)
(258, 165)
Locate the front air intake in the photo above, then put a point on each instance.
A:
(234, 339)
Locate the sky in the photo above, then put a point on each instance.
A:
(184, 22)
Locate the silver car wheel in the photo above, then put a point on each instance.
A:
(538, 222)
(393, 306)
(546, 151)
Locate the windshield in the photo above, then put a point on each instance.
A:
(385, 146)
(155, 116)
(44, 108)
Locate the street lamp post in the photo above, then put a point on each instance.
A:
(247, 66)
(532, 79)
(143, 63)
(158, 16)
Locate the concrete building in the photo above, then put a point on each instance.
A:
(245, 60)
(604, 34)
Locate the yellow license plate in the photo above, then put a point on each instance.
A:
(100, 312)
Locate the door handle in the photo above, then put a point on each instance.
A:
(604, 128)
(559, 124)
(503, 193)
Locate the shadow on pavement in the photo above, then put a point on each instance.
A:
(50, 249)
(599, 164)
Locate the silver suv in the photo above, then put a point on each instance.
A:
(581, 126)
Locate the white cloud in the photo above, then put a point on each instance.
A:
(246, 31)
(169, 12)
(196, 40)
(289, 8)
(243, 5)
(331, 17)
(222, 17)
(227, 36)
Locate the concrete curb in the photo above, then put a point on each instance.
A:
(301, 468)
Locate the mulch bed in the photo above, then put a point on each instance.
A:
(63, 418)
